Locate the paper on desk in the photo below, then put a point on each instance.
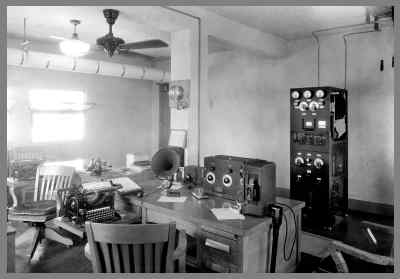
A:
(95, 185)
(128, 185)
(172, 199)
(176, 186)
(227, 214)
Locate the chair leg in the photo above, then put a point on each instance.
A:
(53, 235)
(36, 239)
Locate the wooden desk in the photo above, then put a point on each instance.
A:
(247, 243)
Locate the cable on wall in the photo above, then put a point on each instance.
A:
(345, 51)
(318, 51)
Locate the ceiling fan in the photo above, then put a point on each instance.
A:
(112, 44)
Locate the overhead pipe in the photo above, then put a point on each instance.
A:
(42, 60)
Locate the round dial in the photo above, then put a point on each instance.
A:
(210, 177)
(298, 161)
(318, 163)
(303, 106)
(320, 93)
(308, 160)
(313, 106)
(295, 94)
(307, 94)
(227, 180)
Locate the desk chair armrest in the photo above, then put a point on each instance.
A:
(336, 247)
(11, 188)
(180, 251)
(23, 190)
(60, 200)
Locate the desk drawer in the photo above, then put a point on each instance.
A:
(220, 251)
(156, 217)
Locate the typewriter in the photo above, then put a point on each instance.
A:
(94, 202)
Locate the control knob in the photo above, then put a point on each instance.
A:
(299, 161)
(303, 106)
(318, 163)
(313, 106)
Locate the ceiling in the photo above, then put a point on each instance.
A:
(45, 21)
(292, 22)
(137, 23)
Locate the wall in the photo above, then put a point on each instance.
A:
(244, 112)
(120, 122)
(246, 109)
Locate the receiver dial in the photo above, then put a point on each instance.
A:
(307, 94)
(227, 180)
(210, 177)
(320, 93)
(295, 94)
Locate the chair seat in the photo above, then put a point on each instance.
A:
(37, 208)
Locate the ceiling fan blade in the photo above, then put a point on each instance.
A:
(144, 44)
(58, 38)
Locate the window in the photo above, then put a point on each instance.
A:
(57, 115)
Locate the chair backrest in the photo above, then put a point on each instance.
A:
(51, 178)
(131, 248)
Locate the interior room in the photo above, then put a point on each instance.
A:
(196, 139)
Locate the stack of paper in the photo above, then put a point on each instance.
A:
(128, 185)
(171, 199)
(227, 213)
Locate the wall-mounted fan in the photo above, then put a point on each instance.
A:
(112, 44)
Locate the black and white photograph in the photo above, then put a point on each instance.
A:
(200, 139)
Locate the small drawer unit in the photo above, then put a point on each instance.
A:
(221, 251)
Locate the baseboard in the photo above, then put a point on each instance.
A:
(354, 204)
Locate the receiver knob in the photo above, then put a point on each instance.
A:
(318, 163)
(227, 180)
(295, 94)
(313, 106)
(210, 177)
(307, 94)
(303, 106)
(299, 161)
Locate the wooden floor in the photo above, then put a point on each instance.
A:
(50, 256)
(53, 257)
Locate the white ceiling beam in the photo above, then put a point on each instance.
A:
(239, 35)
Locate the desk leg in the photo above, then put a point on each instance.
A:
(298, 252)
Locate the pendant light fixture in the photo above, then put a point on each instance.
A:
(74, 47)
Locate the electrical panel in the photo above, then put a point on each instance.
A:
(318, 147)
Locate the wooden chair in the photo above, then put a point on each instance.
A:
(44, 205)
(124, 248)
(336, 249)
